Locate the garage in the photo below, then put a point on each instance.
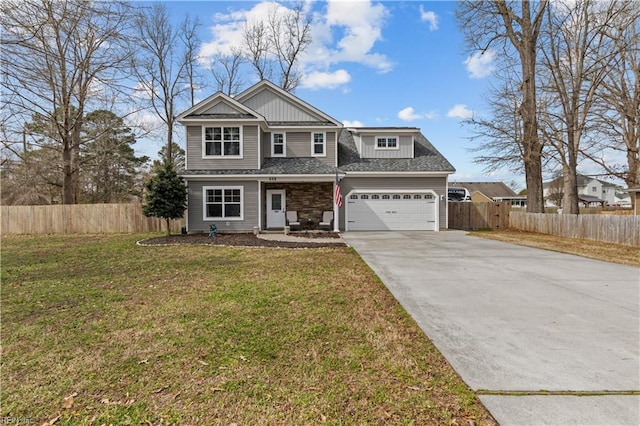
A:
(391, 211)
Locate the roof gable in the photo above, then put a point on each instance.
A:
(219, 105)
(280, 106)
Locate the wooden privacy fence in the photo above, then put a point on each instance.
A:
(607, 228)
(81, 219)
(470, 216)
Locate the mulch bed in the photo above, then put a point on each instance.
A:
(242, 240)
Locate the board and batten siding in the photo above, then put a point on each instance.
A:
(399, 184)
(274, 107)
(368, 147)
(250, 150)
(196, 223)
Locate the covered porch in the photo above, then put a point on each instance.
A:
(309, 201)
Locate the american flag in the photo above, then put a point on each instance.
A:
(337, 196)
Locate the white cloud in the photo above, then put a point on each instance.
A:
(343, 31)
(408, 114)
(361, 24)
(431, 115)
(327, 80)
(356, 123)
(460, 111)
(480, 65)
(430, 17)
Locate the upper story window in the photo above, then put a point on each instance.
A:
(222, 142)
(318, 145)
(278, 145)
(594, 189)
(387, 142)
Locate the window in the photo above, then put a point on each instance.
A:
(406, 197)
(222, 141)
(385, 197)
(375, 197)
(594, 189)
(353, 197)
(223, 202)
(318, 145)
(364, 197)
(396, 196)
(278, 145)
(387, 143)
(417, 197)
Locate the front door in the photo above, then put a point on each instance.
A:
(276, 208)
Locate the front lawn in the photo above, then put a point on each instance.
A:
(97, 330)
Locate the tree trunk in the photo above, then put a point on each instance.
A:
(168, 221)
(67, 177)
(531, 142)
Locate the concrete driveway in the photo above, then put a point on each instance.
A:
(542, 337)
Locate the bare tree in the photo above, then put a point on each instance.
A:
(617, 109)
(278, 43)
(226, 71)
(189, 36)
(576, 59)
(500, 137)
(58, 57)
(164, 64)
(498, 21)
(290, 35)
(257, 46)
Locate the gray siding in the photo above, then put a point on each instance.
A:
(437, 184)
(195, 222)
(221, 108)
(368, 148)
(299, 145)
(250, 151)
(275, 108)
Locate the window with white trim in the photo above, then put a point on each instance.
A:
(387, 142)
(222, 141)
(278, 143)
(222, 202)
(318, 145)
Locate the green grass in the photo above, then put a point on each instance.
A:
(212, 335)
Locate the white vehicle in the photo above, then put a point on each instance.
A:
(458, 194)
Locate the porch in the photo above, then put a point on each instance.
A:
(309, 199)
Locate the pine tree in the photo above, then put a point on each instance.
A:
(166, 195)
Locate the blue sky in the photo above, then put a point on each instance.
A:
(390, 63)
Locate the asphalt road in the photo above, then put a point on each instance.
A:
(542, 337)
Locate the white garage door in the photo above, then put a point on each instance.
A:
(393, 211)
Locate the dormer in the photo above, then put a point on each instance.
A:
(385, 142)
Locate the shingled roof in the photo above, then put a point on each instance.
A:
(490, 189)
(275, 166)
(426, 158)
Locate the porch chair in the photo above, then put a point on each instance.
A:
(327, 221)
(292, 220)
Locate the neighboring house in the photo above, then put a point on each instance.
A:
(622, 198)
(591, 192)
(635, 193)
(253, 157)
(487, 192)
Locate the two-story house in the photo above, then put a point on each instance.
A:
(251, 158)
(592, 192)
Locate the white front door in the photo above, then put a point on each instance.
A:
(276, 208)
